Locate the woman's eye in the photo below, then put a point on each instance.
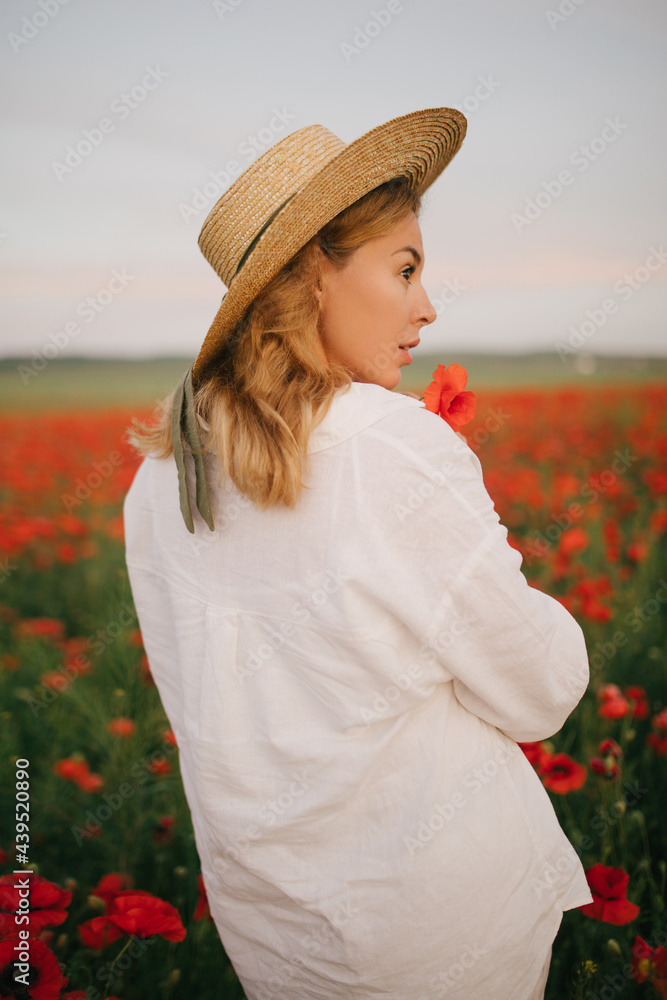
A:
(408, 270)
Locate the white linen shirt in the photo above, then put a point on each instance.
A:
(346, 682)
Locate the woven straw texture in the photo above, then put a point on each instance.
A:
(320, 175)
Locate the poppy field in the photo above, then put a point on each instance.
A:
(93, 807)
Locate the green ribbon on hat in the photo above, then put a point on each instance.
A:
(184, 420)
(184, 425)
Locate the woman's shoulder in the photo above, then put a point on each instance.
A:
(362, 406)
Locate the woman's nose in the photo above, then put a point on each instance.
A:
(428, 313)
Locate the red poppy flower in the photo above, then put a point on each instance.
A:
(651, 964)
(638, 551)
(159, 766)
(78, 664)
(610, 747)
(637, 694)
(134, 638)
(74, 645)
(608, 887)
(606, 692)
(201, 908)
(55, 680)
(614, 708)
(168, 736)
(144, 915)
(659, 721)
(110, 885)
(99, 932)
(641, 960)
(121, 726)
(658, 743)
(75, 768)
(162, 831)
(562, 774)
(658, 740)
(573, 540)
(606, 767)
(48, 902)
(445, 396)
(80, 995)
(536, 754)
(45, 979)
(40, 628)
(145, 671)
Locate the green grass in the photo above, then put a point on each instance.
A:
(70, 383)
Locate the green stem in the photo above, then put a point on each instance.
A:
(121, 952)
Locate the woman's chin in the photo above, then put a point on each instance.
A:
(388, 377)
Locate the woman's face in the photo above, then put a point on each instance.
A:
(376, 305)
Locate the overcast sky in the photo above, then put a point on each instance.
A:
(569, 88)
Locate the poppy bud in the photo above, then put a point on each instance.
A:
(614, 948)
(96, 903)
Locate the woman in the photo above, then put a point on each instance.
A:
(341, 635)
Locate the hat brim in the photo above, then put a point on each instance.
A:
(418, 145)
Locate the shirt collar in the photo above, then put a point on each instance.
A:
(352, 409)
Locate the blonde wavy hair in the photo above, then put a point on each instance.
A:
(257, 409)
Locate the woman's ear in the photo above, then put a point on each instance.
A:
(320, 275)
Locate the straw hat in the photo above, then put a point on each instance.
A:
(280, 202)
(296, 187)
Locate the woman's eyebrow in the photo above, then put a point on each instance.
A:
(415, 253)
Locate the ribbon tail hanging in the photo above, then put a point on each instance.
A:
(184, 424)
(191, 433)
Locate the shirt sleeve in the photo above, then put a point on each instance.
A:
(516, 657)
